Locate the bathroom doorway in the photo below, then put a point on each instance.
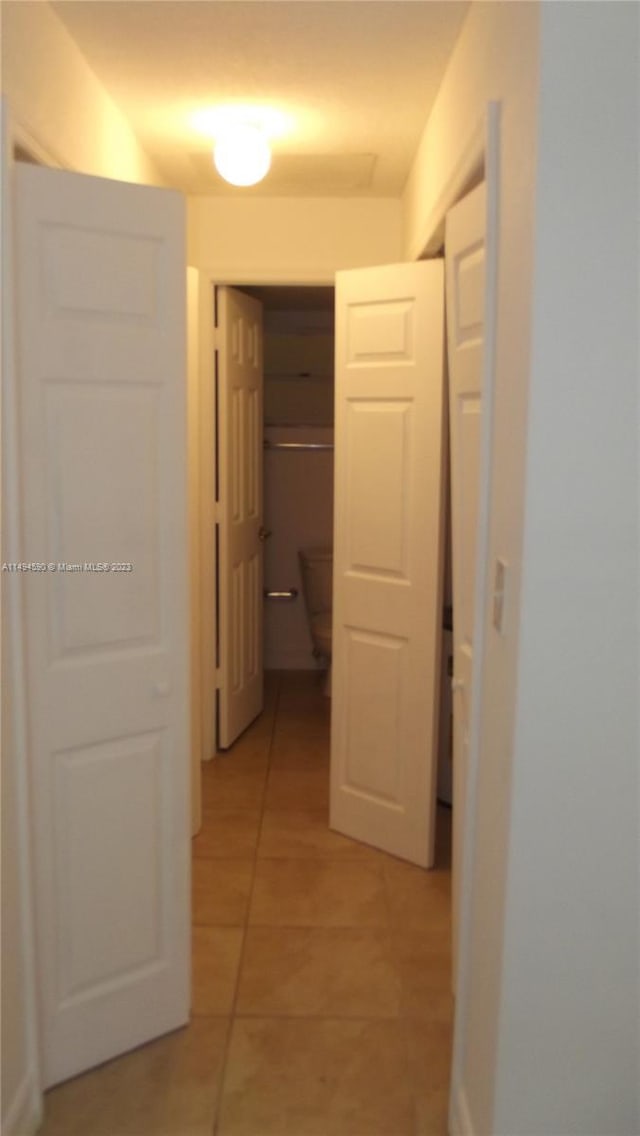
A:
(299, 334)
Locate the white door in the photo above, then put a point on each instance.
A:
(240, 608)
(387, 555)
(465, 275)
(101, 357)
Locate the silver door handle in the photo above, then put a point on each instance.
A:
(263, 534)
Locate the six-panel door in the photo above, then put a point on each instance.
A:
(387, 555)
(101, 355)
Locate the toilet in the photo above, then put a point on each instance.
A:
(316, 567)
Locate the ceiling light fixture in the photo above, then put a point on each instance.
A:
(241, 154)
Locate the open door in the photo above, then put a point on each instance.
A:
(388, 555)
(100, 304)
(465, 289)
(240, 529)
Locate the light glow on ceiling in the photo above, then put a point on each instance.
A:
(213, 121)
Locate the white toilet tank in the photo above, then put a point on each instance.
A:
(316, 565)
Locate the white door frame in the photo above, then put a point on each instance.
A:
(209, 280)
(478, 157)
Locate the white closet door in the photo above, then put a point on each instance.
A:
(101, 355)
(387, 555)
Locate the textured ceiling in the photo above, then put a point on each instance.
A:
(353, 79)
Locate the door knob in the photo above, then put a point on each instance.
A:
(263, 534)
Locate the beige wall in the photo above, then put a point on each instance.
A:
(291, 240)
(55, 99)
(548, 974)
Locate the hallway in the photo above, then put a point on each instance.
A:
(321, 980)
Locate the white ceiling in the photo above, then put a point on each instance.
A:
(354, 78)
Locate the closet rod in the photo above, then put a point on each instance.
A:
(297, 445)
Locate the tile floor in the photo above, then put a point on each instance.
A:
(321, 983)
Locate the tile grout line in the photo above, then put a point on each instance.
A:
(232, 1012)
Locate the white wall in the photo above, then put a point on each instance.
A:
(291, 240)
(55, 98)
(548, 994)
(571, 1000)
(299, 353)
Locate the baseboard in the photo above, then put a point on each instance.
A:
(460, 1123)
(23, 1117)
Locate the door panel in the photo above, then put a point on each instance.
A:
(87, 778)
(387, 555)
(103, 433)
(377, 517)
(101, 338)
(465, 270)
(240, 511)
(375, 665)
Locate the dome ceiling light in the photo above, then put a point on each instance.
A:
(242, 135)
(241, 154)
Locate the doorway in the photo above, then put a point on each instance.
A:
(299, 345)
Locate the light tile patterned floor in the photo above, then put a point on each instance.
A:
(321, 967)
